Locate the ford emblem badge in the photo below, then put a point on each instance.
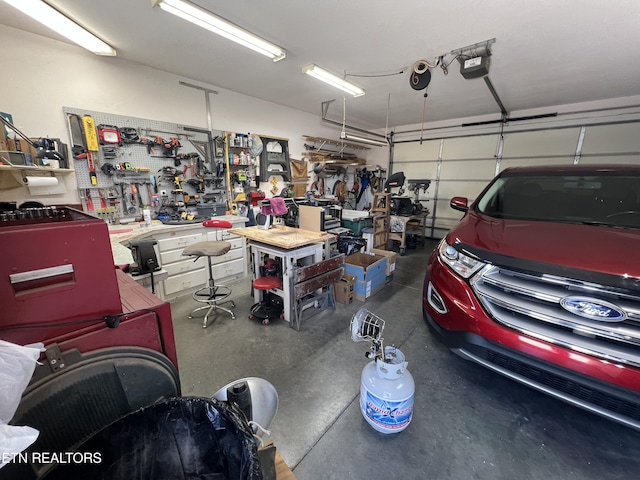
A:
(593, 309)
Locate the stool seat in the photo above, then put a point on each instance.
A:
(265, 309)
(267, 283)
(212, 295)
(213, 248)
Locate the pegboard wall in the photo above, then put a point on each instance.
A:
(137, 163)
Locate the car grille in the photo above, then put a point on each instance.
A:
(531, 304)
(581, 392)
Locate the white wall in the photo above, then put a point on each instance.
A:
(40, 76)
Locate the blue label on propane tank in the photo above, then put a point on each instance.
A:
(388, 414)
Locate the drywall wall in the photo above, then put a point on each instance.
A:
(40, 76)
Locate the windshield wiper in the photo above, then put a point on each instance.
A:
(597, 223)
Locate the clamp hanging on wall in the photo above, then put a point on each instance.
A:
(274, 162)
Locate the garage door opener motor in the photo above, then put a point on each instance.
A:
(387, 387)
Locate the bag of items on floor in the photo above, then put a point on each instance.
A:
(349, 244)
(186, 438)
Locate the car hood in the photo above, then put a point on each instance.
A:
(600, 249)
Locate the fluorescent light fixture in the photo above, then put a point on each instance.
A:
(368, 141)
(59, 23)
(207, 20)
(321, 74)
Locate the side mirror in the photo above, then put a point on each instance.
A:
(459, 203)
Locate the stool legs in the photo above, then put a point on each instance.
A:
(265, 310)
(212, 295)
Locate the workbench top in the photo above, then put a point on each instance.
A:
(282, 236)
(120, 235)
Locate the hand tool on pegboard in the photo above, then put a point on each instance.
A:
(112, 197)
(103, 201)
(79, 148)
(126, 209)
(82, 199)
(91, 138)
(89, 200)
(78, 140)
(151, 143)
(136, 188)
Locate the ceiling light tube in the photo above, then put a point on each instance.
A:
(218, 25)
(59, 23)
(333, 80)
(368, 141)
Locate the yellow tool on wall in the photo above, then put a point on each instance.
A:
(91, 138)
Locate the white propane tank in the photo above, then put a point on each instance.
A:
(386, 392)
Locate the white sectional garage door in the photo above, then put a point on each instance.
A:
(463, 165)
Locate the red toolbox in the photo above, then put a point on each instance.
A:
(56, 265)
(109, 344)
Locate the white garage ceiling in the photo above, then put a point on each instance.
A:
(547, 52)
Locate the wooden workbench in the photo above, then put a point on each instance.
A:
(420, 230)
(282, 236)
(293, 246)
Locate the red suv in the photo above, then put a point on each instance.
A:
(540, 282)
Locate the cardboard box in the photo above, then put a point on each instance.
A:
(344, 289)
(366, 289)
(391, 259)
(370, 273)
(364, 265)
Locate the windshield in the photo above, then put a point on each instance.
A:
(609, 199)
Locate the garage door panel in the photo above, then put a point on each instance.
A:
(447, 190)
(417, 170)
(446, 212)
(446, 223)
(469, 163)
(484, 146)
(468, 170)
(430, 149)
(541, 143)
(529, 162)
(612, 139)
(609, 160)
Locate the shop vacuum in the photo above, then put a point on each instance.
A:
(387, 387)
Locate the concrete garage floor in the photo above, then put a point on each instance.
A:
(468, 423)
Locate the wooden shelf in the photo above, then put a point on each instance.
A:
(329, 141)
(13, 176)
(29, 168)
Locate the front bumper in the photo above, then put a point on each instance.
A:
(601, 387)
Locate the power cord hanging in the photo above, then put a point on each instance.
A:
(424, 111)
(386, 126)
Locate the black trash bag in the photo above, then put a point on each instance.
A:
(180, 438)
(349, 244)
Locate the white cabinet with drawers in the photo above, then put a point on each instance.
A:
(185, 274)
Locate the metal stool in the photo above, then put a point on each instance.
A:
(212, 294)
(264, 309)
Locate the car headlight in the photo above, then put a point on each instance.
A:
(462, 264)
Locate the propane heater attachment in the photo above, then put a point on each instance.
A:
(386, 386)
(368, 327)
